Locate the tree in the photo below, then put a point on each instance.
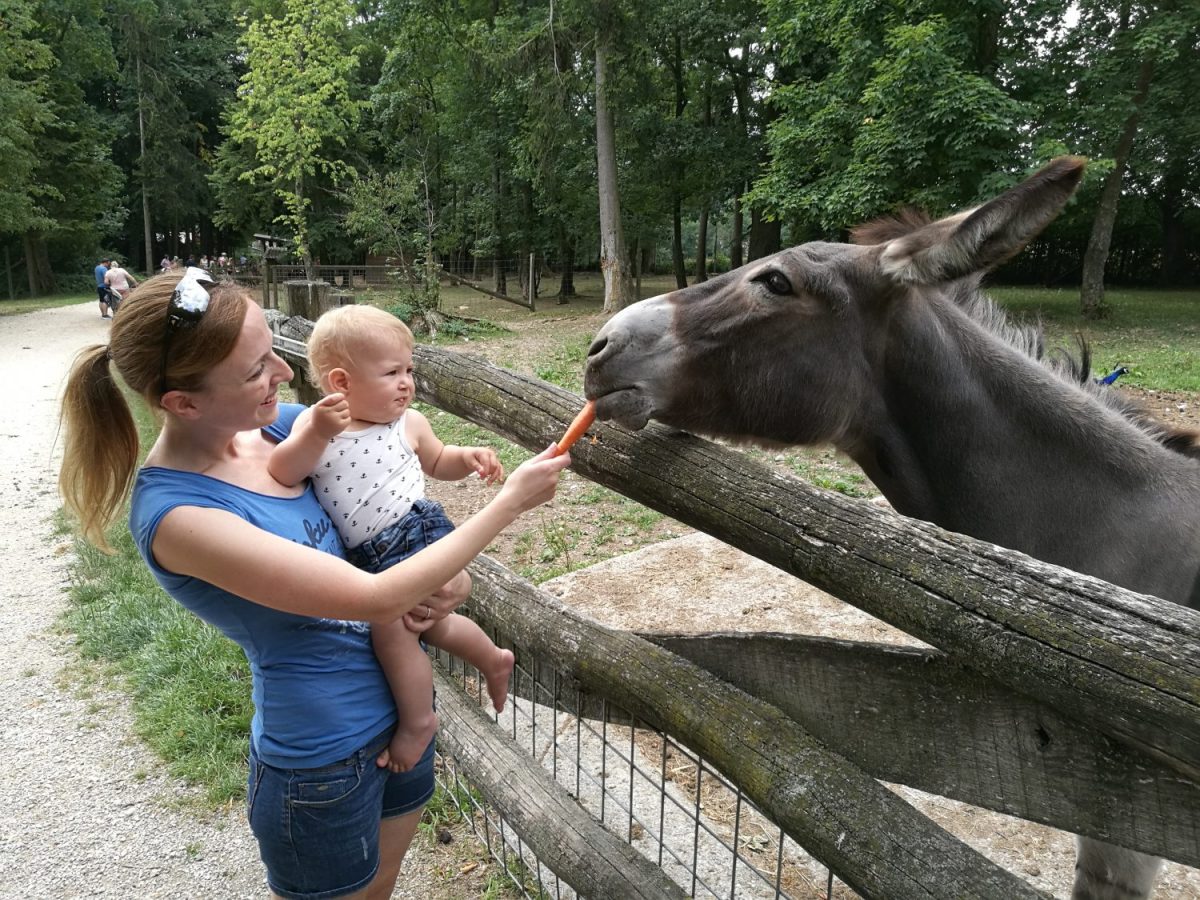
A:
(1120, 47)
(619, 289)
(294, 107)
(894, 104)
(25, 112)
(72, 190)
(176, 75)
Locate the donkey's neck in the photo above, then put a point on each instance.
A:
(970, 433)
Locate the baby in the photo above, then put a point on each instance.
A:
(367, 454)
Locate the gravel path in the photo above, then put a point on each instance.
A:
(88, 810)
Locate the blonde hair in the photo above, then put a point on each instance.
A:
(342, 332)
(100, 449)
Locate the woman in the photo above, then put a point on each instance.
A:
(262, 562)
(119, 282)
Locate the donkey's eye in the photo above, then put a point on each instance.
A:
(775, 282)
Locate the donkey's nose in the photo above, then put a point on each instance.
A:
(598, 346)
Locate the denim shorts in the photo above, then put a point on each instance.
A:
(425, 523)
(318, 829)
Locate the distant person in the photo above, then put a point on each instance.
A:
(102, 288)
(189, 262)
(165, 264)
(119, 280)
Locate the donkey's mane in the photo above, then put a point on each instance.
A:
(1029, 339)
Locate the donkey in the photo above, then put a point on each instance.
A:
(886, 349)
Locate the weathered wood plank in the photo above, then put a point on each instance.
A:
(874, 841)
(564, 837)
(911, 716)
(1124, 662)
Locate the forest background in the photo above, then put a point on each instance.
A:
(603, 135)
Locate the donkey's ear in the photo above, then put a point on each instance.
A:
(982, 238)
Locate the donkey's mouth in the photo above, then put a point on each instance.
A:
(628, 407)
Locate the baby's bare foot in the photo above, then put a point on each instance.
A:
(497, 676)
(408, 744)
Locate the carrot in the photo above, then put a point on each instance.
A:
(576, 429)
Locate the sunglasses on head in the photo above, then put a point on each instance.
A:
(187, 306)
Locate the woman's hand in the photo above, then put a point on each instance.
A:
(535, 480)
(439, 604)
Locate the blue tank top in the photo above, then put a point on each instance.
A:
(319, 693)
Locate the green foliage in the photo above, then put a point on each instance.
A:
(415, 128)
(294, 105)
(27, 111)
(884, 103)
(177, 62)
(58, 180)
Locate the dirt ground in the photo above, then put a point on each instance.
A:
(693, 583)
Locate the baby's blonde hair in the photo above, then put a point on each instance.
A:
(344, 331)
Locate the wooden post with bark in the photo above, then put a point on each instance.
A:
(564, 837)
(875, 841)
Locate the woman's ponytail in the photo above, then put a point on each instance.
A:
(100, 449)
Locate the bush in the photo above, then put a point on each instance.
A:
(75, 282)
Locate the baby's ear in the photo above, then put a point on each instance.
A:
(337, 380)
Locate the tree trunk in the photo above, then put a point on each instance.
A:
(37, 262)
(677, 262)
(499, 275)
(147, 231)
(765, 236)
(676, 200)
(566, 253)
(702, 224)
(735, 239)
(1091, 297)
(310, 270)
(619, 290)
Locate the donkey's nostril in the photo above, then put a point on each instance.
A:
(598, 346)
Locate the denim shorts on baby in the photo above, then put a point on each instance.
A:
(318, 829)
(425, 523)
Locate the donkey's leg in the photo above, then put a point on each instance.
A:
(1105, 872)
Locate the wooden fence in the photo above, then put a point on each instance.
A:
(1052, 696)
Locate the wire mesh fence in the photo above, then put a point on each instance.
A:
(642, 785)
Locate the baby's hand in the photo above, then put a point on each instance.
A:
(485, 462)
(331, 416)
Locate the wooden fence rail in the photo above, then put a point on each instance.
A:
(875, 841)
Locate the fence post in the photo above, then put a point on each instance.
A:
(532, 288)
(307, 299)
(266, 285)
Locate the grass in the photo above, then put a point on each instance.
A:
(1155, 333)
(18, 307)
